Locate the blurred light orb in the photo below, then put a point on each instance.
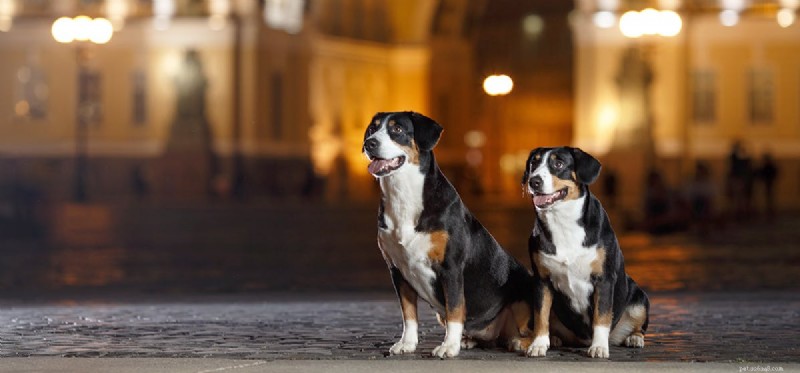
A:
(82, 28)
(498, 85)
(475, 139)
(63, 30)
(604, 19)
(630, 24)
(533, 24)
(666, 23)
(101, 31)
(736, 5)
(670, 23)
(785, 17)
(729, 18)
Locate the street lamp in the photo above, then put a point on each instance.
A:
(498, 85)
(82, 30)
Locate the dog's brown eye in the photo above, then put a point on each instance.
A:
(558, 165)
(397, 129)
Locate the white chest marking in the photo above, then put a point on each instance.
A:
(571, 267)
(406, 248)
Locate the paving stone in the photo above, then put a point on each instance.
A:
(723, 327)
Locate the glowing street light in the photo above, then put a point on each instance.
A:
(650, 21)
(498, 85)
(82, 28)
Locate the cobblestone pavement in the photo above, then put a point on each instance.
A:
(701, 327)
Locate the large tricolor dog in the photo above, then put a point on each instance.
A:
(577, 263)
(436, 249)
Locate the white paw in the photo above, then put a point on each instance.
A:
(635, 341)
(539, 346)
(555, 341)
(468, 343)
(447, 350)
(518, 344)
(598, 352)
(403, 347)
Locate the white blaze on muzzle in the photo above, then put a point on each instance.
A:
(388, 156)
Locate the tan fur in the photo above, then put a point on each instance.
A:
(408, 301)
(599, 261)
(522, 315)
(438, 246)
(600, 318)
(457, 313)
(541, 322)
(573, 192)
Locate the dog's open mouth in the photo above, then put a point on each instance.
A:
(546, 200)
(381, 167)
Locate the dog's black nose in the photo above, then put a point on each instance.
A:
(370, 145)
(535, 183)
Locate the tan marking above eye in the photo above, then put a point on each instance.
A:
(392, 122)
(538, 157)
(377, 122)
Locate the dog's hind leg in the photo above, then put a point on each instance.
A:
(632, 325)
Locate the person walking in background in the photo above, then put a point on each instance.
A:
(740, 182)
(767, 174)
(701, 192)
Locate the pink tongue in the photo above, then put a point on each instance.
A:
(539, 199)
(379, 165)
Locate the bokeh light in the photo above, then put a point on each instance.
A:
(498, 85)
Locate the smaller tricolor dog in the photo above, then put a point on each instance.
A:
(577, 263)
(436, 249)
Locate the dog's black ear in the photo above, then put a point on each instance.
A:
(587, 168)
(426, 131)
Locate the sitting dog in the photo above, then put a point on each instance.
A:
(436, 249)
(577, 263)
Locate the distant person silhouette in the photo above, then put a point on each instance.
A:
(767, 174)
(740, 181)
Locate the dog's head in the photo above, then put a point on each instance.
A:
(394, 140)
(554, 175)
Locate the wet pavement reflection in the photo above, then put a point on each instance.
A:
(307, 248)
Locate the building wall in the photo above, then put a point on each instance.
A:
(679, 137)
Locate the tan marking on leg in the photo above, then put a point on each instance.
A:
(457, 313)
(541, 316)
(540, 267)
(438, 246)
(408, 301)
(629, 324)
(521, 316)
(600, 318)
(599, 261)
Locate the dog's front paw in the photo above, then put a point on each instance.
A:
(635, 340)
(403, 347)
(598, 352)
(446, 350)
(539, 346)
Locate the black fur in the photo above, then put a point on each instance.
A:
(474, 263)
(616, 289)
